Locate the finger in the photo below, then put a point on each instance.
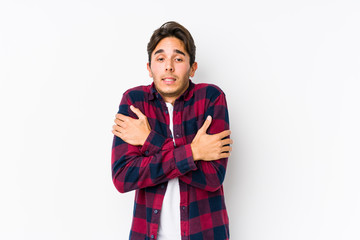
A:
(138, 113)
(224, 155)
(226, 149)
(121, 117)
(116, 128)
(119, 135)
(224, 134)
(117, 121)
(120, 123)
(206, 124)
(226, 141)
(116, 133)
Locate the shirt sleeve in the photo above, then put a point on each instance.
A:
(209, 175)
(157, 161)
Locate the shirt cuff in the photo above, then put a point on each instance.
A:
(153, 144)
(184, 161)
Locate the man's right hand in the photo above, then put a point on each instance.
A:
(210, 147)
(130, 130)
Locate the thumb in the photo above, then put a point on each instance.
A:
(137, 112)
(206, 124)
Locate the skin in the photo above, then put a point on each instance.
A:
(170, 69)
(132, 131)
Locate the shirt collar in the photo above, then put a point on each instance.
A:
(186, 95)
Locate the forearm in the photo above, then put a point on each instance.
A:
(132, 170)
(210, 175)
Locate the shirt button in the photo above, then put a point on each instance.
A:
(146, 152)
(156, 211)
(162, 186)
(183, 208)
(177, 135)
(152, 236)
(166, 111)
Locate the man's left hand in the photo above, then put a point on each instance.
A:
(132, 131)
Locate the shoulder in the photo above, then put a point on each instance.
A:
(210, 91)
(136, 94)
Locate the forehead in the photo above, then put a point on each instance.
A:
(170, 44)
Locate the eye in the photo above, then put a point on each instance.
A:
(178, 60)
(160, 59)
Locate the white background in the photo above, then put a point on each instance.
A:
(290, 70)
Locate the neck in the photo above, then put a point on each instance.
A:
(170, 100)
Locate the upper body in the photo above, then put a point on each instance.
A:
(147, 168)
(146, 155)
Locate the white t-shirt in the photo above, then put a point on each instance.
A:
(169, 227)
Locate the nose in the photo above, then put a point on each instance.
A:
(169, 66)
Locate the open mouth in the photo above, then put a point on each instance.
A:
(169, 79)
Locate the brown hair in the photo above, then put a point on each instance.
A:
(172, 29)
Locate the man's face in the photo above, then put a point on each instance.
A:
(170, 68)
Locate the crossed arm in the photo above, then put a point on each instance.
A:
(204, 146)
(141, 159)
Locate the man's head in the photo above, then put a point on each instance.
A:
(171, 60)
(172, 29)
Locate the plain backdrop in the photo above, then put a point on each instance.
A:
(291, 74)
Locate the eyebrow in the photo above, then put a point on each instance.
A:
(176, 50)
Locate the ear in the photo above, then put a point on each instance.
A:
(149, 69)
(193, 69)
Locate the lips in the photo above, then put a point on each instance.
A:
(169, 80)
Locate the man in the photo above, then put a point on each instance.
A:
(171, 145)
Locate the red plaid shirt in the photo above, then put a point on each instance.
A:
(148, 168)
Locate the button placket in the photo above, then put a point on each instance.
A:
(178, 129)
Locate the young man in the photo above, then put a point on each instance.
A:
(171, 145)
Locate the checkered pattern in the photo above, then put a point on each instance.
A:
(147, 168)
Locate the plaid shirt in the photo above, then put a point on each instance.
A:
(148, 168)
